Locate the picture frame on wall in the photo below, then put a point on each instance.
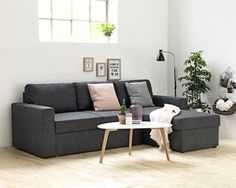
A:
(88, 63)
(113, 69)
(101, 69)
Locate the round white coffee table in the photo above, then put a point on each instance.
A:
(114, 126)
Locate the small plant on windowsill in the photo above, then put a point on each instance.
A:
(122, 113)
(107, 29)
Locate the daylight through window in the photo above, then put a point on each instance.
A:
(76, 20)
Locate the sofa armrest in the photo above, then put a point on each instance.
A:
(33, 129)
(181, 102)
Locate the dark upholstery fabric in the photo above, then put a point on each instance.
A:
(177, 101)
(194, 120)
(82, 121)
(121, 90)
(146, 138)
(105, 114)
(38, 130)
(187, 119)
(83, 99)
(189, 140)
(61, 97)
(147, 111)
(87, 141)
(33, 129)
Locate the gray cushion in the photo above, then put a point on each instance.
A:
(82, 121)
(61, 97)
(138, 93)
(122, 93)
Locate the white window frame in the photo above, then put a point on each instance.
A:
(90, 21)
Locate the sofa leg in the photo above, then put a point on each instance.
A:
(214, 146)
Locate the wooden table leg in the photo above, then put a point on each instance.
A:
(130, 140)
(164, 143)
(105, 138)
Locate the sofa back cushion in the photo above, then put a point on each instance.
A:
(83, 99)
(61, 97)
(121, 90)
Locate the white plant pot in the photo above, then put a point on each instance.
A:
(108, 39)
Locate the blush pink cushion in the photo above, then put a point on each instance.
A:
(103, 97)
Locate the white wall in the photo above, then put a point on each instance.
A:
(142, 31)
(207, 25)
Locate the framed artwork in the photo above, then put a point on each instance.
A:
(113, 69)
(101, 69)
(88, 64)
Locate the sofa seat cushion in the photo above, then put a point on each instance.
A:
(106, 114)
(82, 121)
(190, 119)
(147, 111)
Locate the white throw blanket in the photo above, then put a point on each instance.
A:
(164, 115)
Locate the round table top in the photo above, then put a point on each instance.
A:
(142, 125)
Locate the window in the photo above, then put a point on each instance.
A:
(76, 20)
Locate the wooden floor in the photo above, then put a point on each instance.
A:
(147, 167)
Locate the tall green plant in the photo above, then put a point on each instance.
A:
(196, 81)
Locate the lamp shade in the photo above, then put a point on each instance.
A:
(160, 56)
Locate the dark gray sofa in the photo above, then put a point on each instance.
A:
(59, 119)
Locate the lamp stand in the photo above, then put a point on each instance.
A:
(175, 71)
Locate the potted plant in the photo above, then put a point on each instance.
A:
(196, 81)
(122, 113)
(107, 29)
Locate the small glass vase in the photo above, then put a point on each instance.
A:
(137, 113)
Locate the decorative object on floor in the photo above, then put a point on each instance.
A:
(107, 28)
(161, 57)
(137, 113)
(113, 69)
(88, 64)
(228, 84)
(101, 69)
(224, 106)
(122, 113)
(196, 81)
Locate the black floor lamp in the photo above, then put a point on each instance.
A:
(161, 57)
